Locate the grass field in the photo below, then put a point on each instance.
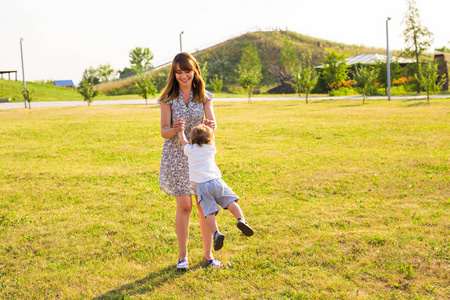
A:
(348, 201)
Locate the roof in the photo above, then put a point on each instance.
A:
(373, 57)
(64, 83)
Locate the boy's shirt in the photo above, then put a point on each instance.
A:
(202, 166)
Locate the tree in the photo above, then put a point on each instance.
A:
(88, 92)
(90, 75)
(145, 86)
(335, 68)
(305, 76)
(289, 60)
(105, 72)
(285, 71)
(288, 56)
(284, 77)
(204, 72)
(365, 78)
(249, 69)
(27, 95)
(429, 78)
(217, 83)
(140, 59)
(417, 37)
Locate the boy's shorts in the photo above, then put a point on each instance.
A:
(213, 193)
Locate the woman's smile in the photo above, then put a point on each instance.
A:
(184, 77)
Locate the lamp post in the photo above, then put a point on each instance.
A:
(181, 45)
(388, 60)
(23, 72)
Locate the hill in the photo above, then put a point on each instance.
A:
(45, 92)
(40, 91)
(223, 58)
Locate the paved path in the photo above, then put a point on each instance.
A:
(17, 105)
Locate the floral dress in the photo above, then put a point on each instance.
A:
(174, 169)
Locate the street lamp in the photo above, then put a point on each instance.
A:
(388, 61)
(23, 73)
(181, 45)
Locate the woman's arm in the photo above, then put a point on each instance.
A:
(210, 119)
(168, 132)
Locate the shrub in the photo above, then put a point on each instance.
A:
(344, 91)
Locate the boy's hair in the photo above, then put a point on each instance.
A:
(201, 135)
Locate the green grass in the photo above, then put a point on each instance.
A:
(40, 92)
(348, 201)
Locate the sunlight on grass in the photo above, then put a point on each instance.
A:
(348, 201)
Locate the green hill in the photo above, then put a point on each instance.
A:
(40, 91)
(223, 58)
(45, 92)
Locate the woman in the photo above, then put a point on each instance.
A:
(184, 102)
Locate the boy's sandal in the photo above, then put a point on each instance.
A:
(182, 264)
(214, 263)
(218, 240)
(243, 226)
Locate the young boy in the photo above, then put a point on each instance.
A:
(212, 191)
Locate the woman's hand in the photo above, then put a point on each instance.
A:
(178, 125)
(210, 123)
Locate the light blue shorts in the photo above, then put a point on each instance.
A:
(213, 193)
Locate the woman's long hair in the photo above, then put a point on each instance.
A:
(186, 62)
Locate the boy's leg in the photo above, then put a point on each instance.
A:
(242, 224)
(235, 209)
(212, 223)
(218, 237)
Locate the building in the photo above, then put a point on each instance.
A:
(443, 69)
(372, 58)
(64, 83)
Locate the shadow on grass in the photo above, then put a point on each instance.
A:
(421, 103)
(145, 285)
(352, 105)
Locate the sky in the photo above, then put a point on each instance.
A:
(63, 38)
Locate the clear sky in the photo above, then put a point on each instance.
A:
(63, 38)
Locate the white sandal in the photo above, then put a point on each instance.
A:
(182, 264)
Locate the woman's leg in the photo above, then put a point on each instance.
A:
(207, 236)
(184, 209)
